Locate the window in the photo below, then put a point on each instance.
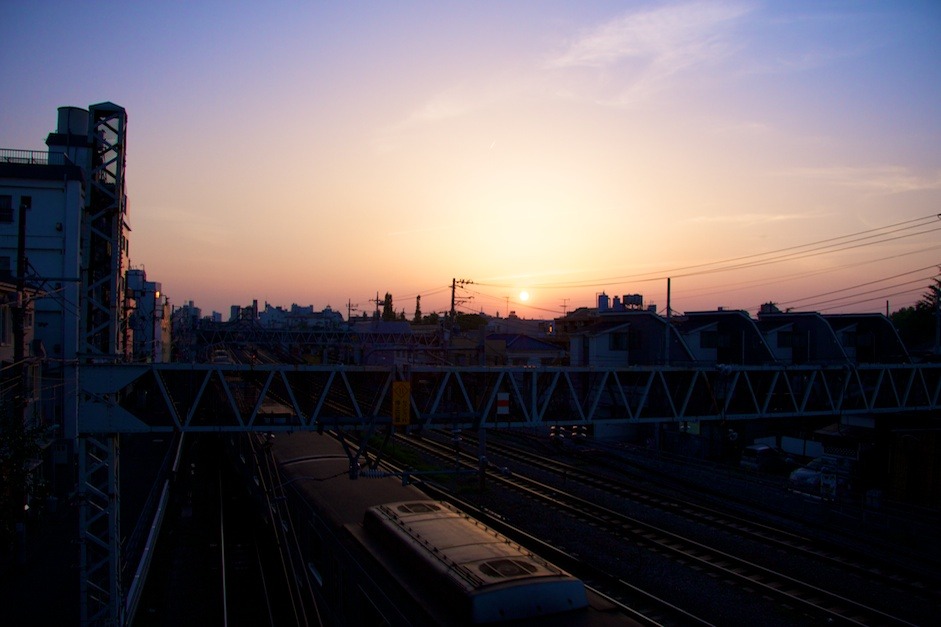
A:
(6, 326)
(6, 209)
(618, 341)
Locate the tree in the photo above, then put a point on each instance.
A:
(417, 318)
(18, 444)
(918, 325)
(470, 322)
(388, 312)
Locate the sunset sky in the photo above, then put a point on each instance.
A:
(320, 153)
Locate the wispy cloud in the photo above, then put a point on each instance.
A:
(653, 46)
(876, 180)
(637, 53)
(447, 104)
(439, 107)
(747, 218)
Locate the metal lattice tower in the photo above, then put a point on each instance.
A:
(104, 235)
(103, 338)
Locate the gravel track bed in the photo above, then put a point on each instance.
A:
(684, 584)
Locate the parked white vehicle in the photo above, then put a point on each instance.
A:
(828, 477)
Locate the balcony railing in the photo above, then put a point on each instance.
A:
(40, 157)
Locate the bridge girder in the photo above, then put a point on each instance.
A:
(124, 398)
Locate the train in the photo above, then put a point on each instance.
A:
(378, 551)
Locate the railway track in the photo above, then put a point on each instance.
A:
(851, 561)
(785, 590)
(639, 605)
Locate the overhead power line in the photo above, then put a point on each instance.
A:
(874, 298)
(802, 275)
(867, 283)
(817, 248)
(922, 281)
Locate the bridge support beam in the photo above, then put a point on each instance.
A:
(99, 528)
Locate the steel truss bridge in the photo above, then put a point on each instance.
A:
(201, 398)
(204, 398)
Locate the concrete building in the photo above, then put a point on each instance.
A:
(517, 349)
(299, 318)
(52, 187)
(149, 319)
(620, 332)
(628, 334)
(183, 324)
(868, 338)
(77, 248)
(724, 337)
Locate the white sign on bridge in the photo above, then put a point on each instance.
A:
(503, 403)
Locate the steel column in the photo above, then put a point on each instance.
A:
(100, 522)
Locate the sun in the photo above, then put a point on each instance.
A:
(524, 296)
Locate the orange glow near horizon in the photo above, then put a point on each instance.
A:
(320, 154)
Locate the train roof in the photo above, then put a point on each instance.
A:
(317, 467)
(482, 576)
(492, 576)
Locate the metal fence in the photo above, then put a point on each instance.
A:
(38, 157)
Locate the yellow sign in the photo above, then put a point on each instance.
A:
(401, 403)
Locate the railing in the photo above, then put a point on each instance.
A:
(39, 157)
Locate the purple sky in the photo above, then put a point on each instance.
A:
(319, 153)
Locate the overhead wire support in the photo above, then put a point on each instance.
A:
(454, 284)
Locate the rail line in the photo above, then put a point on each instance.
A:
(787, 590)
(864, 565)
(640, 605)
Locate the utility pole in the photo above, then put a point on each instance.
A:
(19, 312)
(666, 338)
(937, 318)
(454, 284)
(565, 303)
(18, 425)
